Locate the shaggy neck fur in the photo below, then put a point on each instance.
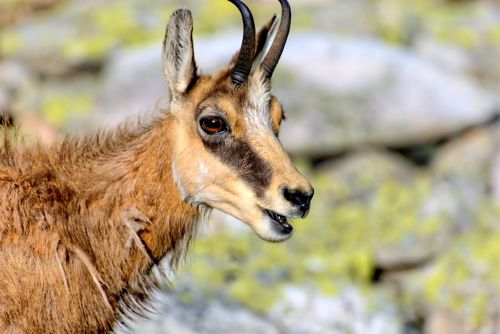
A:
(82, 225)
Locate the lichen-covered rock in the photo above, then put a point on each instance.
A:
(16, 86)
(431, 231)
(351, 93)
(466, 166)
(362, 172)
(447, 56)
(495, 177)
(442, 321)
(132, 84)
(304, 311)
(364, 91)
(408, 218)
(82, 34)
(133, 81)
(194, 316)
(468, 155)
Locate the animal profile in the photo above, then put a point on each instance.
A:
(84, 222)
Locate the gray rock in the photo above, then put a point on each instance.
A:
(343, 93)
(13, 75)
(16, 86)
(132, 84)
(365, 170)
(219, 319)
(456, 201)
(495, 178)
(441, 321)
(469, 155)
(4, 101)
(339, 94)
(198, 316)
(44, 39)
(445, 56)
(305, 311)
(73, 36)
(494, 165)
(445, 205)
(165, 319)
(466, 165)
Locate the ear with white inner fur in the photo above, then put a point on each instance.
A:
(262, 41)
(179, 66)
(265, 36)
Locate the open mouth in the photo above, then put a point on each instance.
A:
(280, 222)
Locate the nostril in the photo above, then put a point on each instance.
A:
(298, 198)
(289, 195)
(292, 196)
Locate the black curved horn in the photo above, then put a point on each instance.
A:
(274, 54)
(243, 65)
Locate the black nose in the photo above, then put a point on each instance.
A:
(299, 198)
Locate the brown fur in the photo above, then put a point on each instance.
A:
(84, 222)
(81, 226)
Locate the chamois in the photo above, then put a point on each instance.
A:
(84, 222)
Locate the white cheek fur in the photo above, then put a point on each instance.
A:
(178, 181)
(257, 115)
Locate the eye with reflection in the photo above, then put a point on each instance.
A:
(212, 125)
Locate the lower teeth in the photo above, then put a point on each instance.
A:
(279, 219)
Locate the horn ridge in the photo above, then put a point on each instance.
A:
(273, 55)
(243, 65)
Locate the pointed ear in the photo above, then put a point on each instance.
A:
(264, 35)
(179, 65)
(264, 38)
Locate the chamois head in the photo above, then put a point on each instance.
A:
(226, 152)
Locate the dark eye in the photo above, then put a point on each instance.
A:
(213, 124)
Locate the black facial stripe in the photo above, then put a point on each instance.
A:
(240, 156)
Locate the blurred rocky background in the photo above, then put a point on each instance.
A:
(392, 110)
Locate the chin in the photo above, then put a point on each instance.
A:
(273, 227)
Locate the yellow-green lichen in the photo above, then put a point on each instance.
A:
(110, 26)
(88, 47)
(399, 22)
(465, 279)
(333, 247)
(493, 34)
(10, 43)
(57, 110)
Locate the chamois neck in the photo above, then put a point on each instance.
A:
(130, 214)
(132, 176)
